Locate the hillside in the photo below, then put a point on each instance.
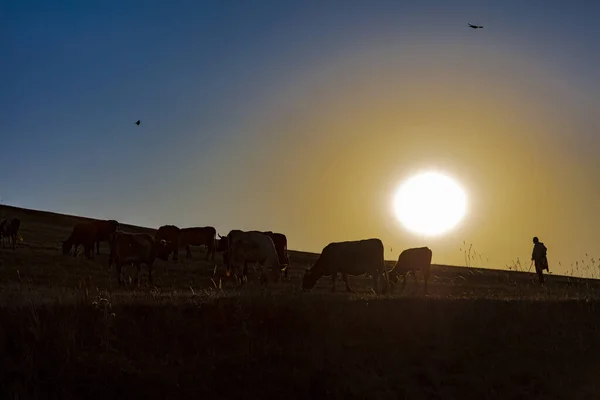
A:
(68, 331)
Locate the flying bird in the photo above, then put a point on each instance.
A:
(475, 26)
(137, 122)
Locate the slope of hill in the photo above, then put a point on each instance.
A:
(68, 331)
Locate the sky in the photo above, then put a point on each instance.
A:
(304, 117)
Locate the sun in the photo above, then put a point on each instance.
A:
(430, 204)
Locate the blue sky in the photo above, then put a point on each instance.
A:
(210, 81)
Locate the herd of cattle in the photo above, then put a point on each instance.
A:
(238, 248)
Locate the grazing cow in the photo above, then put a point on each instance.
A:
(412, 260)
(244, 247)
(103, 231)
(279, 240)
(170, 234)
(9, 229)
(204, 236)
(84, 233)
(136, 248)
(348, 258)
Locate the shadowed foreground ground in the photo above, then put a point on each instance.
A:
(479, 334)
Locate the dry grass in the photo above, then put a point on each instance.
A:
(67, 331)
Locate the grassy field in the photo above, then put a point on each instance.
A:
(67, 331)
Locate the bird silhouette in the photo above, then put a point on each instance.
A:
(475, 26)
(137, 122)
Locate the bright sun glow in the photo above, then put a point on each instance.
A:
(430, 204)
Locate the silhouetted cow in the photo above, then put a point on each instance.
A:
(412, 260)
(199, 236)
(103, 231)
(9, 230)
(136, 248)
(85, 234)
(170, 234)
(348, 258)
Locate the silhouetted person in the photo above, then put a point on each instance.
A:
(538, 256)
(137, 122)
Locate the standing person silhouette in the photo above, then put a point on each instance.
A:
(538, 256)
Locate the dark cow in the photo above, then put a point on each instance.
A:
(9, 229)
(170, 234)
(348, 258)
(412, 260)
(201, 236)
(245, 247)
(279, 240)
(137, 249)
(103, 231)
(84, 233)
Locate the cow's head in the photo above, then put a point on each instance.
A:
(112, 225)
(162, 249)
(308, 280)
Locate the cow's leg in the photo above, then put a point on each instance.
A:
(212, 252)
(188, 252)
(75, 247)
(245, 272)
(150, 274)
(386, 281)
(263, 274)
(414, 274)
(333, 276)
(404, 280)
(136, 281)
(375, 278)
(345, 278)
(97, 247)
(118, 268)
(14, 241)
(426, 276)
(176, 254)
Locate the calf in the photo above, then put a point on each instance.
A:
(136, 248)
(412, 260)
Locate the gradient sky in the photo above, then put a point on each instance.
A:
(303, 117)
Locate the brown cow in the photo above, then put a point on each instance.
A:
(170, 234)
(9, 229)
(200, 236)
(348, 258)
(84, 233)
(412, 260)
(103, 231)
(136, 248)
